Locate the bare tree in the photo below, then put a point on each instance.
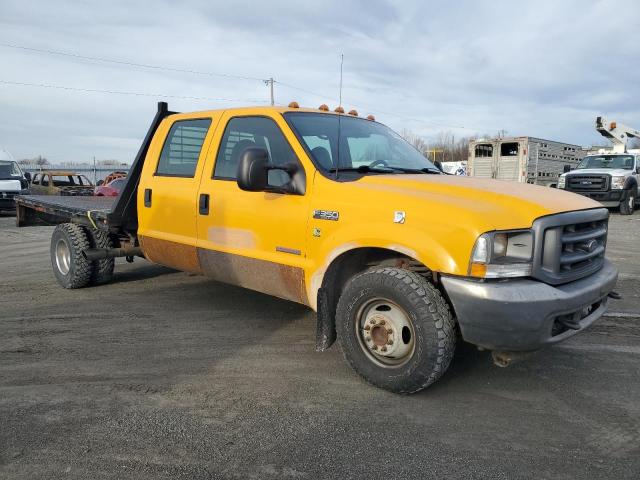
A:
(40, 161)
(415, 140)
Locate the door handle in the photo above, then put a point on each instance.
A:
(147, 197)
(203, 204)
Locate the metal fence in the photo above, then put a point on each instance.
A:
(99, 173)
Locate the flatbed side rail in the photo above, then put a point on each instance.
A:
(124, 214)
(32, 210)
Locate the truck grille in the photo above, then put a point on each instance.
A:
(588, 183)
(569, 246)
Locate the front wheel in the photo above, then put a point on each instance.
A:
(628, 203)
(395, 329)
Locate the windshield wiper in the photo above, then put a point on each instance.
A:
(388, 169)
(364, 169)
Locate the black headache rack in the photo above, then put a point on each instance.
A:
(115, 214)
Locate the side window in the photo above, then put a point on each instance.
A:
(182, 147)
(244, 132)
(509, 149)
(35, 179)
(483, 151)
(62, 180)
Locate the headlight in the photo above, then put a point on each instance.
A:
(562, 181)
(502, 254)
(617, 183)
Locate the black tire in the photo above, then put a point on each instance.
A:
(102, 270)
(628, 203)
(70, 267)
(434, 333)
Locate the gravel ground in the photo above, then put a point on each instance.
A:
(162, 374)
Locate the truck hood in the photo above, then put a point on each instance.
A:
(10, 186)
(495, 204)
(617, 172)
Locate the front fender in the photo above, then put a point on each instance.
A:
(415, 243)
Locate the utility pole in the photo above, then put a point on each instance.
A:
(270, 83)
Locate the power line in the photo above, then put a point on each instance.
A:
(122, 92)
(269, 82)
(130, 64)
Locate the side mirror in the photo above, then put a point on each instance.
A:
(253, 170)
(27, 176)
(638, 170)
(567, 168)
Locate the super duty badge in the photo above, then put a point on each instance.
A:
(326, 215)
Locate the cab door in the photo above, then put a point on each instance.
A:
(253, 239)
(168, 190)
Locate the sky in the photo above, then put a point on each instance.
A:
(539, 68)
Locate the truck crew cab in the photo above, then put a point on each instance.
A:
(339, 213)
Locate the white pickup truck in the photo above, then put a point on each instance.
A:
(12, 181)
(612, 176)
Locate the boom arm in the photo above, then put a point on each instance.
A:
(617, 133)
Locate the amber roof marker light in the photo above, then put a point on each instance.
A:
(324, 107)
(371, 117)
(294, 105)
(339, 109)
(353, 113)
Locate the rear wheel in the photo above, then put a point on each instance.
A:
(70, 267)
(628, 203)
(102, 270)
(395, 329)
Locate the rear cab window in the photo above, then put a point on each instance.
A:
(182, 148)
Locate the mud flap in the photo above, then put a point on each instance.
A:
(326, 325)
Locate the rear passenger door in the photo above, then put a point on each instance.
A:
(168, 190)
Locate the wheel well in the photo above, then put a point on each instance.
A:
(344, 267)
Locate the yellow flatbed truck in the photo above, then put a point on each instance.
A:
(338, 213)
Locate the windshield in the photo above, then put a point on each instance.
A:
(607, 161)
(365, 145)
(9, 169)
(118, 183)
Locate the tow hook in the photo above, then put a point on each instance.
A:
(504, 359)
(615, 295)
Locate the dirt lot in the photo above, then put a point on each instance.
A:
(165, 375)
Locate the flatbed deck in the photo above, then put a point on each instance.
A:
(54, 209)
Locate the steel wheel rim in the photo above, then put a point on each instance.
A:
(63, 257)
(385, 333)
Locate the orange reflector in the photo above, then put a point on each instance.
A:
(613, 126)
(294, 105)
(371, 117)
(478, 270)
(353, 113)
(323, 107)
(339, 110)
